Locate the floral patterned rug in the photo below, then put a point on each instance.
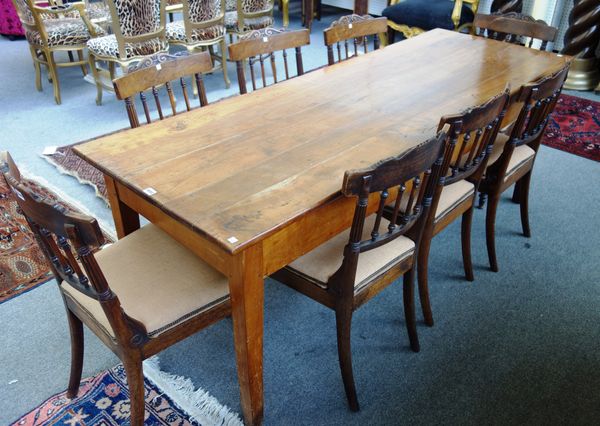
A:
(574, 127)
(103, 400)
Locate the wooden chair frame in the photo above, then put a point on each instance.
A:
(242, 17)
(353, 27)
(510, 27)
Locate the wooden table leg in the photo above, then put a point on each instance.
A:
(126, 219)
(246, 285)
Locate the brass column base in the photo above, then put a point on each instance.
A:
(583, 75)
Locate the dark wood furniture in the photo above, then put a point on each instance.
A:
(139, 295)
(250, 192)
(260, 45)
(512, 158)
(513, 27)
(354, 266)
(472, 135)
(158, 70)
(356, 28)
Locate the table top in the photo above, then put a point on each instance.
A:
(240, 169)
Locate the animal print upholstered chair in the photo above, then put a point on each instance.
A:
(248, 15)
(139, 32)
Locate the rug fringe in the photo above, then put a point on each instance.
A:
(198, 403)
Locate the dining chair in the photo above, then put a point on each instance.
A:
(260, 45)
(358, 29)
(202, 27)
(472, 134)
(139, 295)
(512, 158)
(159, 70)
(139, 31)
(247, 15)
(513, 27)
(412, 17)
(55, 28)
(352, 267)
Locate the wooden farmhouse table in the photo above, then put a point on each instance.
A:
(253, 182)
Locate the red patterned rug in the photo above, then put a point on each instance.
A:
(22, 263)
(574, 127)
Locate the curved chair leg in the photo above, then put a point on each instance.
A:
(516, 191)
(135, 382)
(38, 70)
(224, 62)
(422, 264)
(343, 319)
(83, 67)
(409, 309)
(524, 203)
(76, 330)
(94, 69)
(467, 219)
(490, 225)
(54, 74)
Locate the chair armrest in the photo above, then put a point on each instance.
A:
(456, 12)
(63, 10)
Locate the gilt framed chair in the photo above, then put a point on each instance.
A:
(472, 134)
(139, 295)
(512, 158)
(351, 268)
(52, 29)
(356, 28)
(412, 17)
(160, 70)
(139, 31)
(248, 15)
(203, 27)
(260, 45)
(515, 28)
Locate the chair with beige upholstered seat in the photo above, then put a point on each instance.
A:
(351, 268)
(513, 157)
(472, 134)
(139, 296)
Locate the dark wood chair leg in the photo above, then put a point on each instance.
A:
(482, 198)
(76, 330)
(422, 262)
(516, 198)
(490, 225)
(467, 219)
(409, 309)
(524, 203)
(135, 383)
(343, 319)
(391, 35)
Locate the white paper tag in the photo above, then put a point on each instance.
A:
(232, 240)
(49, 150)
(350, 25)
(559, 56)
(158, 67)
(265, 39)
(149, 191)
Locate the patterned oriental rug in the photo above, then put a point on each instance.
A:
(574, 127)
(103, 400)
(22, 263)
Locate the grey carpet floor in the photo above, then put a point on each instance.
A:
(521, 346)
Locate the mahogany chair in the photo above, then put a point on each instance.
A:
(512, 158)
(139, 295)
(472, 135)
(352, 267)
(513, 27)
(260, 45)
(158, 70)
(358, 29)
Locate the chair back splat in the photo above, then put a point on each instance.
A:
(158, 70)
(514, 27)
(262, 45)
(356, 28)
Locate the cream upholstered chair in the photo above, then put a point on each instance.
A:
(203, 27)
(139, 295)
(352, 267)
(139, 31)
(52, 29)
(248, 15)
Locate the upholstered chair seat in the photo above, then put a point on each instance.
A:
(321, 263)
(427, 14)
(231, 22)
(521, 154)
(452, 196)
(176, 32)
(108, 47)
(158, 281)
(63, 32)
